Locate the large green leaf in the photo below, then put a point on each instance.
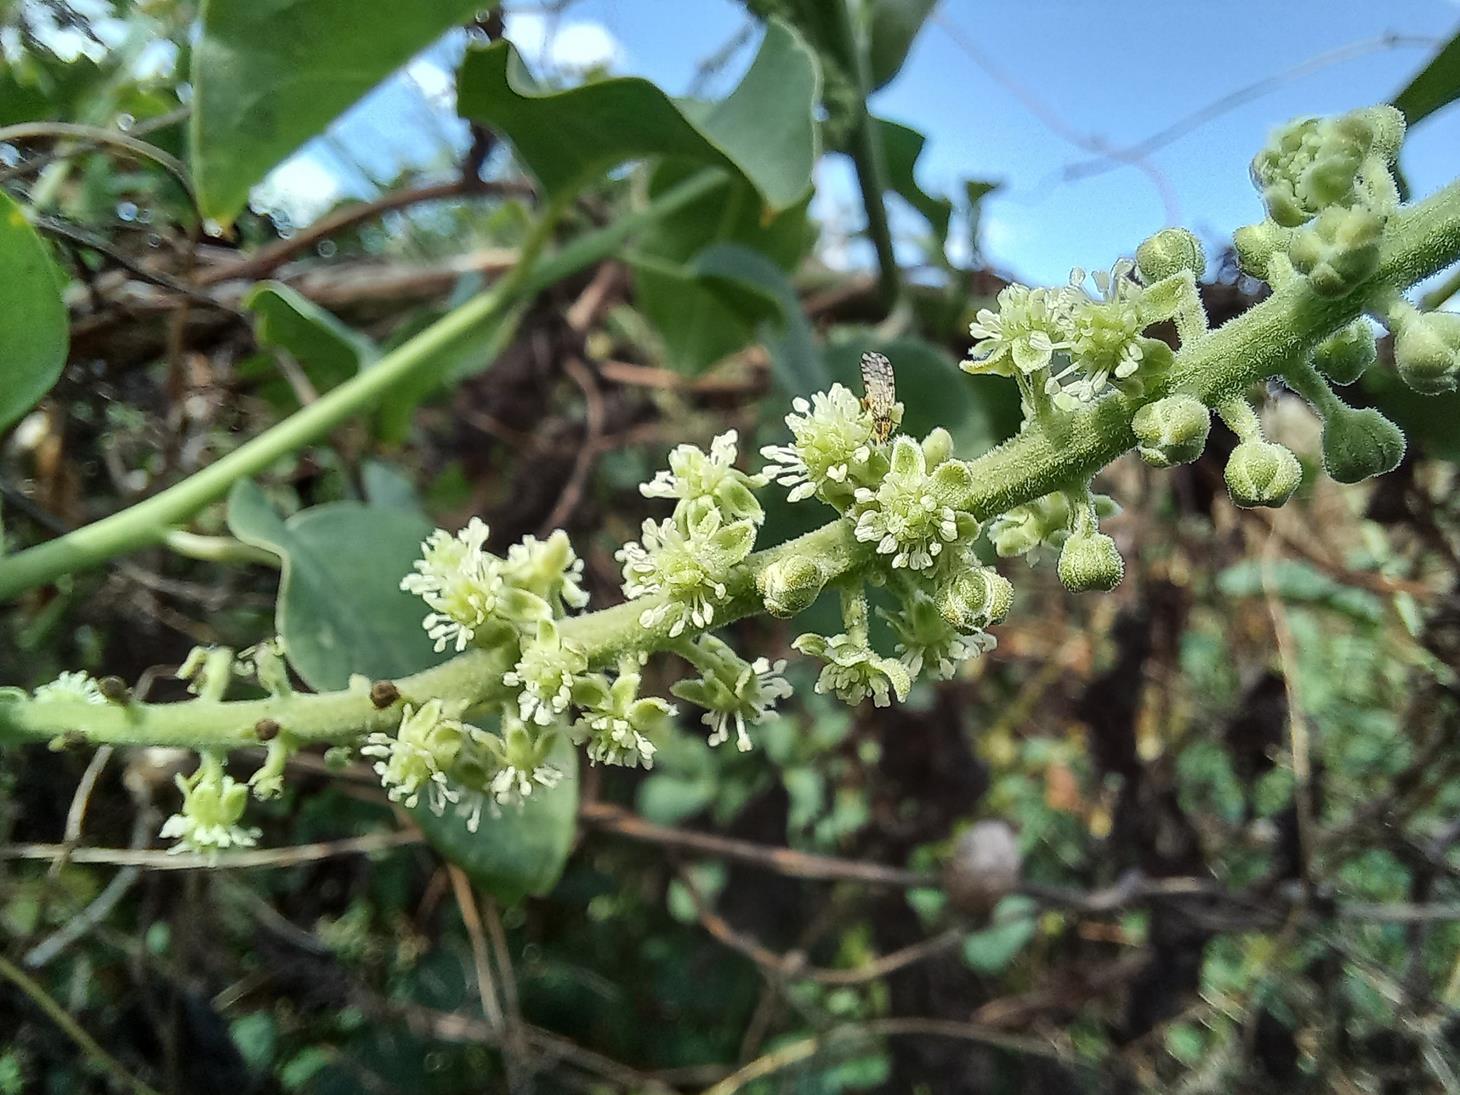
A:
(894, 25)
(33, 327)
(521, 851)
(269, 74)
(340, 609)
(795, 356)
(701, 321)
(1436, 85)
(329, 352)
(764, 129)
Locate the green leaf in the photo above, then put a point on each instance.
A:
(795, 357)
(387, 486)
(701, 321)
(901, 147)
(269, 74)
(34, 331)
(340, 608)
(764, 130)
(1435, 86)
(974, 192)
(329, 352)
(522, 851)
(1014, 924)
(894, 25)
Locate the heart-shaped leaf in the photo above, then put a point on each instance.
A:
(764, 130)
(340, 609)
(269, 74)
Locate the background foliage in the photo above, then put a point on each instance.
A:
(799, 918)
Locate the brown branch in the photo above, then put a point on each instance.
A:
(251, 857)
(786, 861)
(275, 255)
(794, 1053)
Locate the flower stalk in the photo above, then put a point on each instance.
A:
(1215, 369)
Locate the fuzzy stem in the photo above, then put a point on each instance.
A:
(1258, 344)
(1302, 378)
(1240, 418)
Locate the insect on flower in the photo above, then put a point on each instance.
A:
(879, 393)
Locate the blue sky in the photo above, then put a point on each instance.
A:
(1014, 92)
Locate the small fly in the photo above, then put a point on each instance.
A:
(879, 394)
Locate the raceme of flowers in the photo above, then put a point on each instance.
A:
(1328, 190)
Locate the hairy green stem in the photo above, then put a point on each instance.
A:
(150, 521)
(1258, 344)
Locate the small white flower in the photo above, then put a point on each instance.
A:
(925, 641)
(834, 436)
(545, 675)
(460, 580)
(548, 568)
(759, 687)
(734, 693)
(902, 516)
(417, 756)
(1106, 334)
(854, 671)
(616, 723)
(213, 805)
(71, 686)
(1030, 326)
(512, 786)
(687, 559)
(692, 475)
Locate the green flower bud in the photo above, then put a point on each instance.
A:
(1172, 431)
(974, 600)
(1359, 444)
(1262, 473)
(1344, 355)
(1311, 163)
(1257, 243)
(1090, 562)
(1381, 127)
(1169, 252)
(790, 585)
(1338, 250)
(1427, 351)
(937, 447)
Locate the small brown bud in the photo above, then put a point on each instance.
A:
(114, 689)
(266, 729)
(383, 694)
(983, 868)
